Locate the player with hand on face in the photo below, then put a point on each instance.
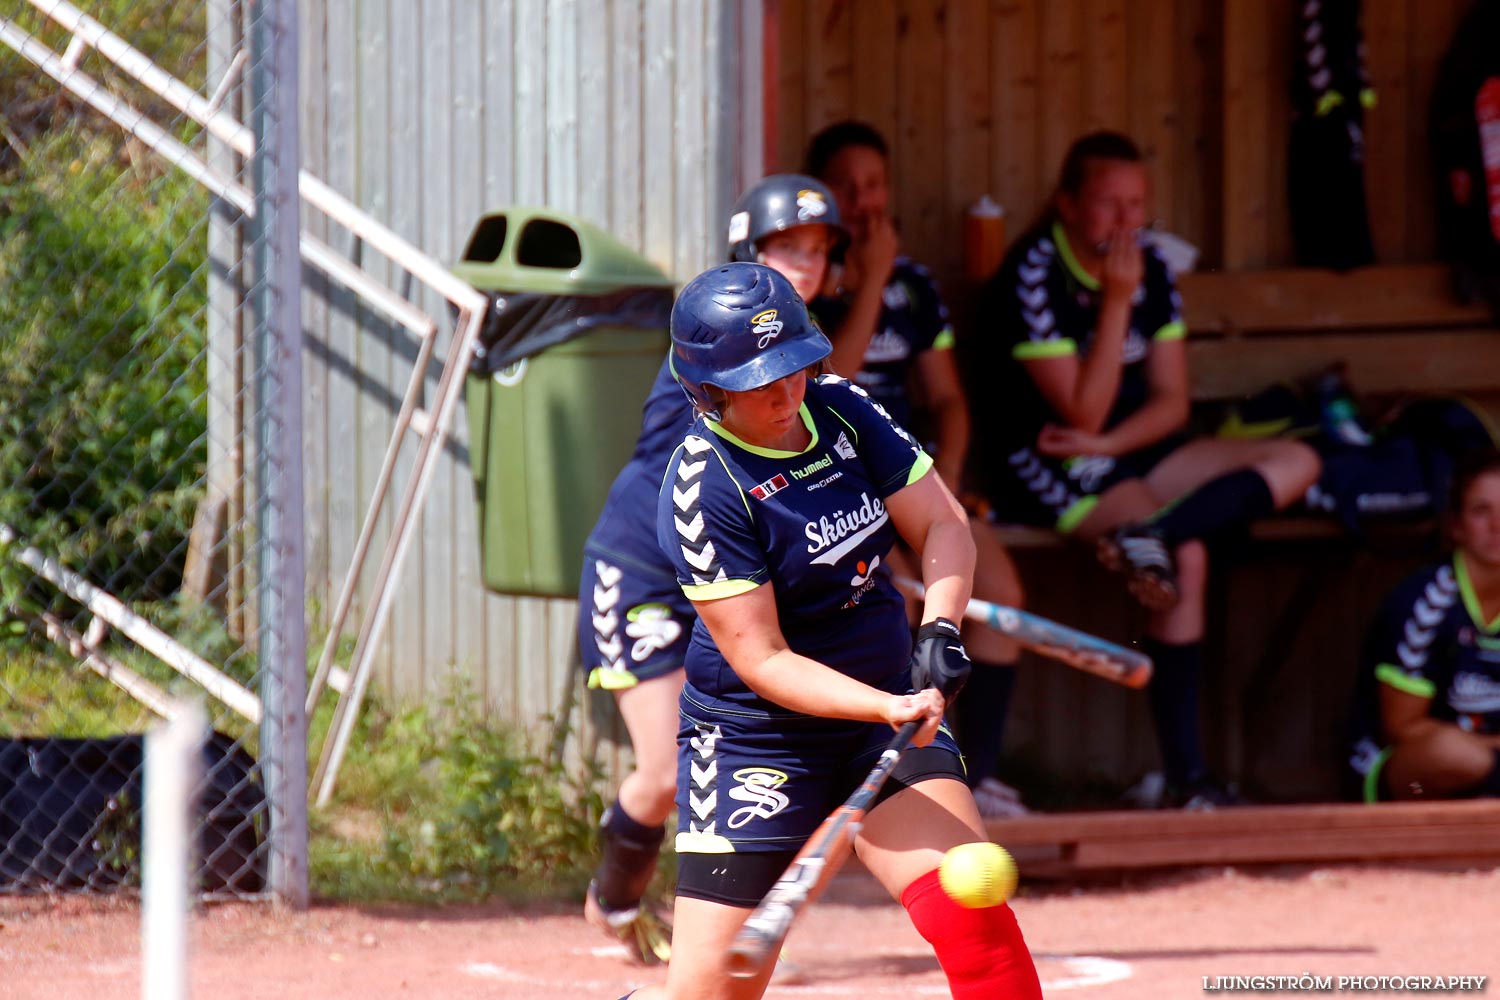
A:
(1428, 703)
(894, 341)
(1083, 429)
(779, 506)
(634, 621)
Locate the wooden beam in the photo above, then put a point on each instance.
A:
(1376, 363)
(1389, 296)
(1253, 834)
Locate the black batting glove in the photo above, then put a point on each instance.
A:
(938, 659)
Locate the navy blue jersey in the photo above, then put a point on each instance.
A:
(1043, 304)
(812, 524)
(1430, 639)
(626, 529)
(913, 320)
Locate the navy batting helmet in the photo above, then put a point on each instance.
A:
(777, 203)
(740, 326)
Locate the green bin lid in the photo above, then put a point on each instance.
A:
(525, 249)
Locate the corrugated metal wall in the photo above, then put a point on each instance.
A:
(428, 113)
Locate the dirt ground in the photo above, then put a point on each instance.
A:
(1151, 937)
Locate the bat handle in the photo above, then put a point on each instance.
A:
(766, 927)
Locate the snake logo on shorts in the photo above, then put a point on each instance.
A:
(758, 786)
(652, 628)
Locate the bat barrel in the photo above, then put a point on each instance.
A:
(746, 959)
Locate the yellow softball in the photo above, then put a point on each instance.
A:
(979, 874)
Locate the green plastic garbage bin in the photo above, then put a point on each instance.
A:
(575, 333)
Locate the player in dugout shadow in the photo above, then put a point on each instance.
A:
(1427, 715)
(1081, 340)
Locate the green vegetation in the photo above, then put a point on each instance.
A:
(103, 291)
(103, 430)
(443, 804)
(434, 803)
(102, 378)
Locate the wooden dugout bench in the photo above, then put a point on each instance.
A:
(1072, 844)
(1285, 623)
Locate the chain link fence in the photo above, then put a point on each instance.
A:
(150, 491)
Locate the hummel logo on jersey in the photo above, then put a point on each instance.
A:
(767, 326)
(843, 447)
(765, 489)
(836, 537)
(810, 205)
(812, 467)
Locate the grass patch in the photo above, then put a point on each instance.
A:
(439, 803)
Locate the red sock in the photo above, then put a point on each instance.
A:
(981, 951)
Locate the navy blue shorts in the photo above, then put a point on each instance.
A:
(632, 626)
(750, 784)
(1059, 493)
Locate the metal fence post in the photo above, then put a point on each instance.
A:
(278, 338)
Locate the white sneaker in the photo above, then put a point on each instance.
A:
(997, 800)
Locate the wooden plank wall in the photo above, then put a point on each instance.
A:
(984, 97)
(428, 114)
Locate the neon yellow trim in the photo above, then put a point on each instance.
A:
(1175, 330)
(755, 449)
(1056, 347)
(1481, 414)
(611, 679)
(944, 340)
(1236, 428)
(1471, 599)
(718, 591)
(853, 434)
(1066, 250)
(1328, 102)
(744, 497)
(702, 843)
(1368, 98)
(1389, 673)
(919, 467)
(1071, 518)
(1372, 776)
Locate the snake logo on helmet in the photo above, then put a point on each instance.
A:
(738, 327)
(778, 203)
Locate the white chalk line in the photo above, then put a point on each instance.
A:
(1083, 971)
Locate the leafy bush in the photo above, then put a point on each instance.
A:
(450, 805)
(172, 32)
(103, 416)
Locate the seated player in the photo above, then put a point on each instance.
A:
(1428, 703)
(893, 337)
(1080, 345)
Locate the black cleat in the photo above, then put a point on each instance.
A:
(646, 937)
